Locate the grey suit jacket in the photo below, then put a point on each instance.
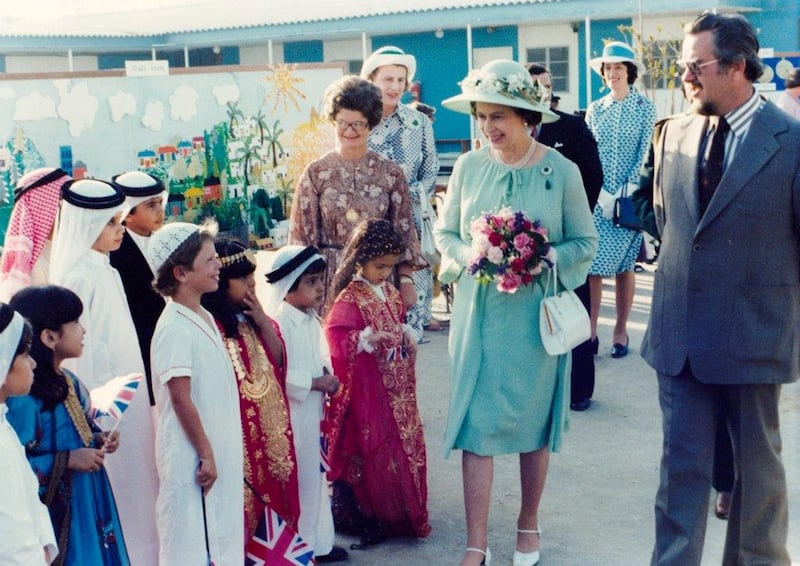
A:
(727, 289)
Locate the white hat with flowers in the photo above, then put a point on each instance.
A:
(616, 52)
(502, 82)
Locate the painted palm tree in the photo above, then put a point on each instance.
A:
(247, 152)
(273, 137)
(286, 191)
(234, 114)
(261, 122)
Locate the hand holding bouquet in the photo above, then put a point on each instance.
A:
(509, 249)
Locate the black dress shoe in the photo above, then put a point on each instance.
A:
(337, 554)
(581, 404)
(620, 350)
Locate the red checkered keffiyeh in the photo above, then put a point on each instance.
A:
(29, 228)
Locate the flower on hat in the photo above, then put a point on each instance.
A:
(514, 85)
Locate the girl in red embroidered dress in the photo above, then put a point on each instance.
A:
(375, 432)
(257, 352)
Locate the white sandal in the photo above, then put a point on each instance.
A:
(528, 558)
(487, 554)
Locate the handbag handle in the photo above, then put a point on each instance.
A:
(552, 274)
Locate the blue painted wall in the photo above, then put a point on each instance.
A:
(303, 52)
(778, 24)
(2, 64)
(601, 31)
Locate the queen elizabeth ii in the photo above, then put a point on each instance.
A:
(507, 394)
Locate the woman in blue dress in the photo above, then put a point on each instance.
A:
(507, 394)
(622, 123)
(65, 449)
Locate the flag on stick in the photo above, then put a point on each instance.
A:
(113, 398)
(275, 543)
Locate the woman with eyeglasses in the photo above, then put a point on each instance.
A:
(353, 183)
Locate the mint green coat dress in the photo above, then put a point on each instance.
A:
(507, 395)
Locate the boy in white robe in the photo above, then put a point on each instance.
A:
(26, 533)
(293, 297)
(88, 228)
(199, 449)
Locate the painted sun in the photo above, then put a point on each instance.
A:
(283, 88)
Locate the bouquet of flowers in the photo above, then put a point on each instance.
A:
(509, 249)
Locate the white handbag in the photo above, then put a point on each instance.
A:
(427, 245)
(563, 320)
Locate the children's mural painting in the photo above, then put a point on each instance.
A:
(227, 143)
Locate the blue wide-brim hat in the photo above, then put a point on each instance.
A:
(617, 52)
(502, 82)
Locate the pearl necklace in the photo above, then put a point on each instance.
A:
(522, 161)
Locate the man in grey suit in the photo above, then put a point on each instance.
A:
(724, 329)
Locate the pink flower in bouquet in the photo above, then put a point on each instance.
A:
(509, 283)
(521, 241)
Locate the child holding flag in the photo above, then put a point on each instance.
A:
(65, 449)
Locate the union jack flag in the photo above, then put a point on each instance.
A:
(113, 398)
(324, 445)
(276, 544)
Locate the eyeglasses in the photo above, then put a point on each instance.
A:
(695, 67)
(357, 126)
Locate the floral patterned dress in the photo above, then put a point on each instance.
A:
(335, 194)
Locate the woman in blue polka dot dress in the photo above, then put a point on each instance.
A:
(622, 122)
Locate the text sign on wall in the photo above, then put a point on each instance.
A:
(146, 68)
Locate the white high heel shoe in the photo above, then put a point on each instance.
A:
(528, 558)
(487, 554)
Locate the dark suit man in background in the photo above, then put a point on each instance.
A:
(571, 137)
(724, 330)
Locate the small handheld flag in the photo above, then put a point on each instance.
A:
(113, 398)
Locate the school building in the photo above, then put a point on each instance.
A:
(446, 36)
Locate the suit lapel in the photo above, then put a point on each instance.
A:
(757, 148)
(687, 155)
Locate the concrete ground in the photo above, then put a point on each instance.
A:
(597, 507)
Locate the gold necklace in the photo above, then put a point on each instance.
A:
(522, 161)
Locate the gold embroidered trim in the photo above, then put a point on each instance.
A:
(260, 387)
(76, 414)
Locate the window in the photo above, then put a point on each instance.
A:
(554, 58)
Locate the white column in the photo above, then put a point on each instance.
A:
(588, 50)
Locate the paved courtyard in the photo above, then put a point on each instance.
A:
(598, 502)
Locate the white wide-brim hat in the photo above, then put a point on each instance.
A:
(617, 52)
(389, 55)
(502, 82)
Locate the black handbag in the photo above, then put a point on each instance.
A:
(625, 213)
